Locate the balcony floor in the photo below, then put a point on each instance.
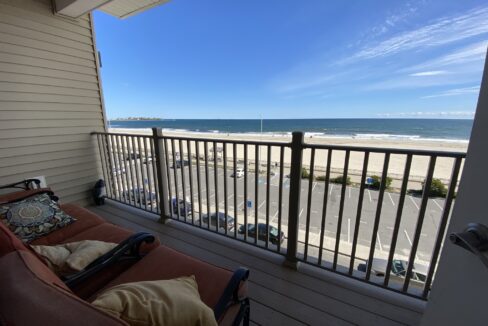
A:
(279, 295)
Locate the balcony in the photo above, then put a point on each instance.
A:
(302, 196)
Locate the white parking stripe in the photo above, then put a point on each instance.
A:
(379, 241)
(301, 211)
(410, 241)
(413, 201)
(392, 202)
(264, 201)
(331, 187)
(435, 202)
(349, 192)
(369, 194)
(314, 184)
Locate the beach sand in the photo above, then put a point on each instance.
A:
(443, 167)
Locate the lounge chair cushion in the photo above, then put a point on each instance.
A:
(164, 263)
(162, 302)
(31, 294)
(34, 217)
(69, 258)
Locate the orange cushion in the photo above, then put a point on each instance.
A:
(164, 263)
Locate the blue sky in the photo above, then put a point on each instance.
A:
(295, 59)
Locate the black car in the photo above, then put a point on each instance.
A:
(274, 237)
(222, 218)
(133, 156)
(180, 163)
(183, 212)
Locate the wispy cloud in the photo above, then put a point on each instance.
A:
(431, 114)
(455, 92)
(428, 73)
(442, 31)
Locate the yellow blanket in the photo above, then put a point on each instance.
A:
(73, 257)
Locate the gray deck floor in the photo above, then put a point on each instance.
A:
(279, 295)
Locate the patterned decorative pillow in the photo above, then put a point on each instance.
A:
(34, 217)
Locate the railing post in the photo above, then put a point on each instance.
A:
(294, 202)
(161, 175)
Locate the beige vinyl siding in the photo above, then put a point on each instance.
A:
(50, 98)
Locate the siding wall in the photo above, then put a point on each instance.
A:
(50, 99)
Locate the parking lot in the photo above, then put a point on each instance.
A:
(370, 203)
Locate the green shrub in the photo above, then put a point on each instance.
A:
(377, 182)
(320, 178)
(340, 179)
(437, 188)
(305, 174)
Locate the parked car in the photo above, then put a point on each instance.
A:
(180, 163)
(239, 173)
(398, 270)
(139, 196)
(148, 159)
(183, 212)
(274, 237)
(222, 218)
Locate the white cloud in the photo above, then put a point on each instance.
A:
(456, 91)
(442, 31)
(432, 114)
(428, 73)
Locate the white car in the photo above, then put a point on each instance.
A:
(239, 173)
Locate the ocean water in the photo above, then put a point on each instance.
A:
(408, 129)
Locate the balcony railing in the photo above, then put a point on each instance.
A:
(316, 204)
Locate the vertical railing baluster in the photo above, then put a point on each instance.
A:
(175, 175)
(398, 219)
(150, 187)
(294, 202)
(130, 173)
(190, 177)
(324, 207)
(121, 151)
(234, 154)
(226, 208)
(443, 224)
(268, 186)
(103, 164)
(183, 179)
(246, 170)
(374, 236)
(420, 221)
(341, 209)
(280, 195)
(199, 185)
(147, 196)
(256, 192)
(309, 202)
(359, 210)
(111, 166)
(137, 156)
(207, 190)
(216, 187)
(114, 157)
(168, 178)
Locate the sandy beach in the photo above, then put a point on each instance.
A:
(443, 167)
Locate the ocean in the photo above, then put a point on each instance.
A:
(408, 129)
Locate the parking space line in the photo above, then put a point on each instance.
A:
(264, 201)
(363, 221)
(435, 202)
(379, 240)
(413, 201)
(369, 194)
(274, 216)
(238, 207)
(314, 184)
(331, 187)
(349, 192)
(410, 241)
(301, 211)
(392, 202)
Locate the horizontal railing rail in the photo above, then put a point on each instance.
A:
(378, 215)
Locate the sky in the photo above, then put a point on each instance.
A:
(221, 59)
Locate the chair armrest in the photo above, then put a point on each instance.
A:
(24, 184)
(127, 249)
(231, 292)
